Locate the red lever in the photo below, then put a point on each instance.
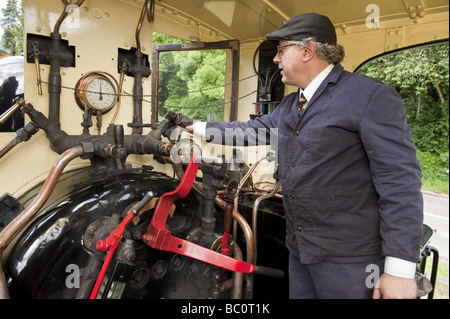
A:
(158, 237)
(227, 220)
(110, 243)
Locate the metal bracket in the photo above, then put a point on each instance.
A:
(415, 9)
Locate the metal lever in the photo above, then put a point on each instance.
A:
(111, 242)
(11, 111)
(158, 237)
(227, 221)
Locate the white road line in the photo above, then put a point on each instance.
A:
(437, 216)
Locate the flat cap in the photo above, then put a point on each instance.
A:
(305, 26)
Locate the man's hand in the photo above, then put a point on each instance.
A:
(393, 287)
(179, 119)
(190, 128)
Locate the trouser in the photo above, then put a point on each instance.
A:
(333, 280)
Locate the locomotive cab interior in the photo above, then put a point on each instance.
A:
(102, 197)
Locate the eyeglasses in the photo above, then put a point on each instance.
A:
(280, 47)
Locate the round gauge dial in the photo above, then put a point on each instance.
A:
(96, 91)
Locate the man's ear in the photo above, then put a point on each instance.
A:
(309, 51)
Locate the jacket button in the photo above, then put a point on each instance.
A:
(297, 133)
(299, 229)
(293, 164)
(291, 196)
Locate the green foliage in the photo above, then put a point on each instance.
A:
(13, 27)
(191, 82)
(421, 76)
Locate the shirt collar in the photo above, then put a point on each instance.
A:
(309, 91)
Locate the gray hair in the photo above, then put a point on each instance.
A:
(327, 52)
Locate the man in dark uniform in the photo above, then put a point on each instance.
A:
(348, 167)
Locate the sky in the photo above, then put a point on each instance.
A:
(2, 6)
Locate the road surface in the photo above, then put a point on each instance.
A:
(436, 215)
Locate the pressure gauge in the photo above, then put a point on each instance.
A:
(96, 90)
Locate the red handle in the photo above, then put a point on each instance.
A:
(110, 243)
(158, 237)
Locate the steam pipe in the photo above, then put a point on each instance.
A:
(149, 9)
(249, 241)
(244, 179)
(139, 70)
(9, 146)
(138, 92)
(22, 135)
(56, 56)
(98, 145)
(238, 277)
(255, 216)
(12, 228)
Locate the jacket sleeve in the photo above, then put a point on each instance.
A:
(260, 131)
(395, 171)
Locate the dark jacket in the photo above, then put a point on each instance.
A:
(349, 172)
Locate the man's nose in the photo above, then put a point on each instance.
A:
(277, 59)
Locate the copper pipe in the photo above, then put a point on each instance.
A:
(244, 179)
(9, 146)
(147, 9)
(245, 228)
(238, 277)
(238, 190)
(12, 228)
(255, 216)
(235, 283)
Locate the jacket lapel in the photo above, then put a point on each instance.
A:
(331, 78)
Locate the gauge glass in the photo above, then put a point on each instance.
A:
(100, 94)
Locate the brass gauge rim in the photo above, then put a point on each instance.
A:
(81, 90)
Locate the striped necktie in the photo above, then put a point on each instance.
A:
(301, 105)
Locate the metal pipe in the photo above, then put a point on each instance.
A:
(9, 146)
(244, 179)
(249, 242)
(245, 228)
(54, 80)
(56, 56)
(238, 190)
(138, 93)
(12, 228)
(255, 216)
(22, 135)
(238, 277)
(149, 9)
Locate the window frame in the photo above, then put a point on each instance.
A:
(232, 45)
